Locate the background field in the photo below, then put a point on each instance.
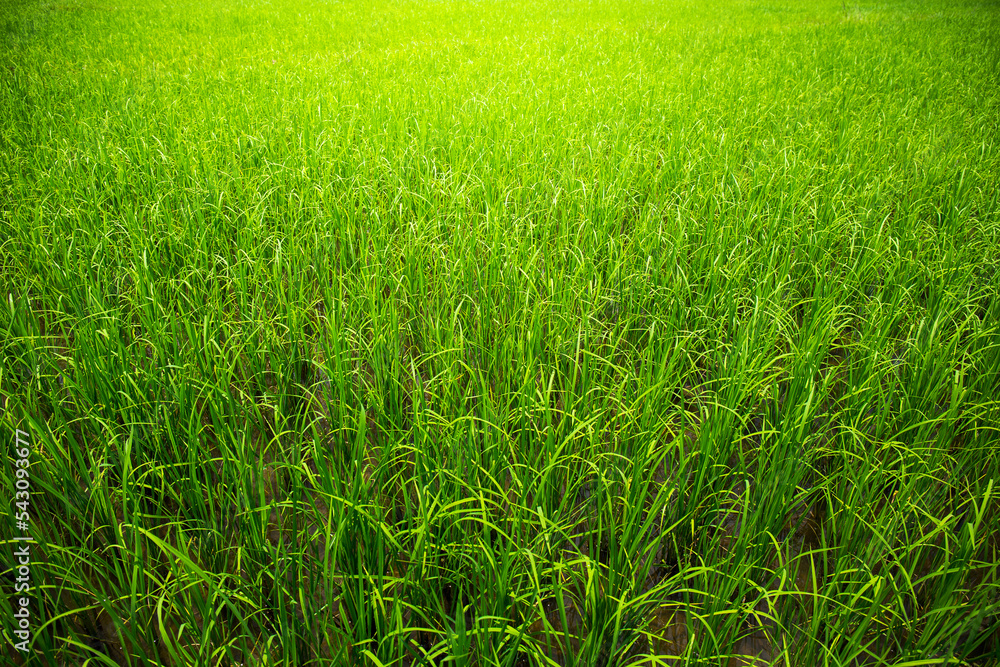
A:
(504, 333)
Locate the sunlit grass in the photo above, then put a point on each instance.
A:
(586, 333)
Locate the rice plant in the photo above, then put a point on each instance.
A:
(463, 332)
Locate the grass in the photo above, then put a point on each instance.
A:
(480, 333)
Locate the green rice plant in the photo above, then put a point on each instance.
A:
(474, 333)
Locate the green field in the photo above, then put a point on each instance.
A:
(438, 332)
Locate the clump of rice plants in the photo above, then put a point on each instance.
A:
(480, 333)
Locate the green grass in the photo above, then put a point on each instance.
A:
(503, 333)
